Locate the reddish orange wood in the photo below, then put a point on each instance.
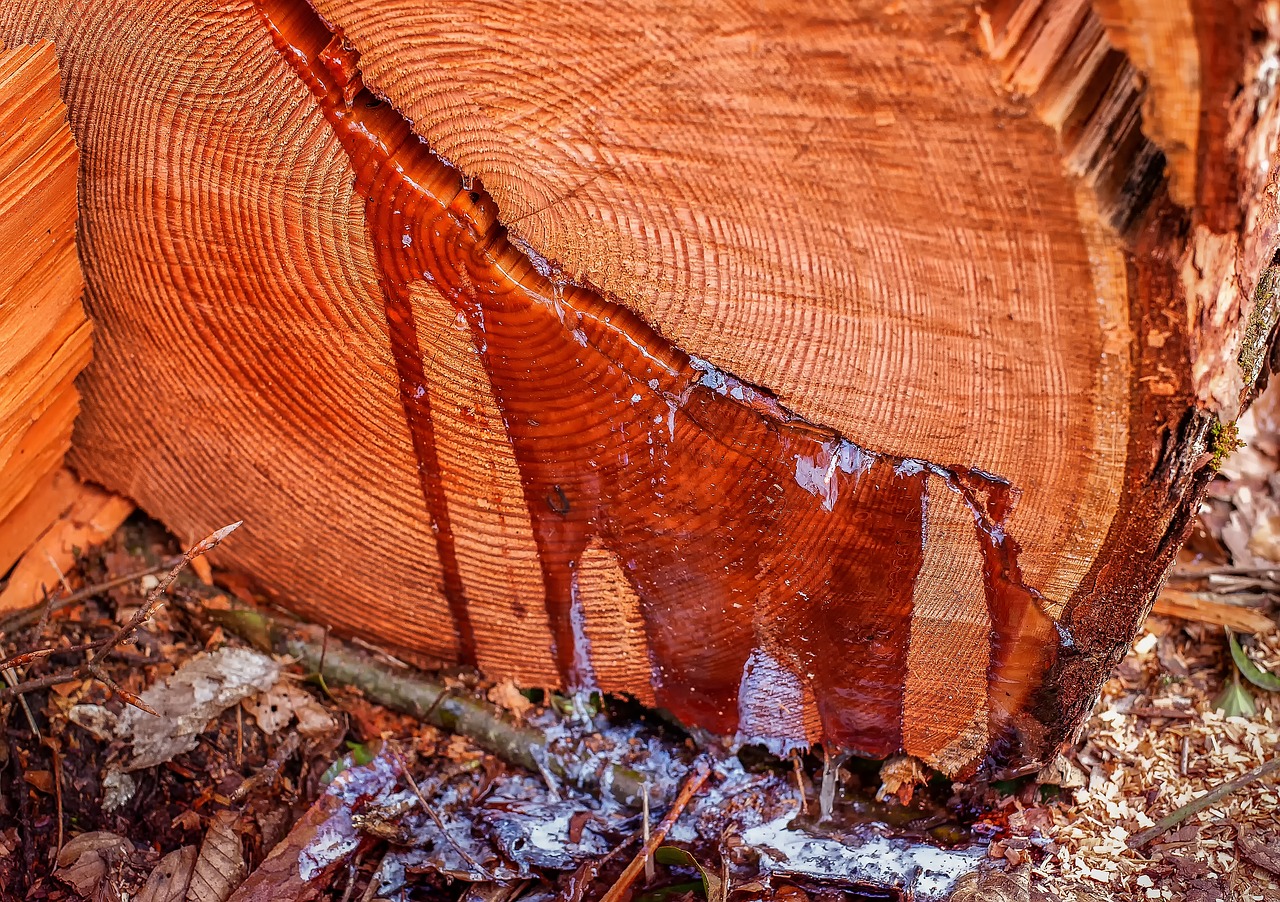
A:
(816, 395)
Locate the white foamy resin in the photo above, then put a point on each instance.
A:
(816, 473)
(924, 872)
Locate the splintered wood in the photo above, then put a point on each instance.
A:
(845, 374)
(44, 335)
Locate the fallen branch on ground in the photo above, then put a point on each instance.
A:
(697, 776)
(1138, 840)
(339, 663)
(1204, 607)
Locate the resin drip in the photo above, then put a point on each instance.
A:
(748, 534)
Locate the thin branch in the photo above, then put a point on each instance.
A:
(155, 598)
(430, 700)
(27, 657)
(693, 782)
(431, 813)
(46, 610)
(151, 604)
(1167, 823)
(270, 773)
(56, 601)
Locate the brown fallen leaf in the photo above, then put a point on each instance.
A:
(283, 702)
(85, 861)
(1264, 854)
(220, 867)
(41, 780)
(168, 881)
(303, 863)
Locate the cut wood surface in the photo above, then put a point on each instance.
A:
(843, 374)
(89, 517)
(44, 333)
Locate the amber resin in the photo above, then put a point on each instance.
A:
(774, 561)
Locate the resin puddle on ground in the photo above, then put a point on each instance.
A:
(774, 561)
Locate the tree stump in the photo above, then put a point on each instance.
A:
(834, 373)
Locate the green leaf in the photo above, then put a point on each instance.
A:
(1235, 701)
(712, 884)
(1249, 670)
(357, 755)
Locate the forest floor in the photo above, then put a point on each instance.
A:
(264, 776)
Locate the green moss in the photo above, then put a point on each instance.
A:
(1224, 440)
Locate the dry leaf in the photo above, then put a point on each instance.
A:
(220, 867)
(505, 695)
(41, 780)
(283, 702)
(168, 881)
(200, 690)
(84, 862)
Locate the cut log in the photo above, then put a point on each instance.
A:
(842, 374)
(44, 333)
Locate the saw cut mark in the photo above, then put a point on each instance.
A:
(700, 486)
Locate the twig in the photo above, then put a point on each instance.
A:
(431, 813)
(46, 610)
(9, 668)
(11, 677)
(270, 772)
(27, 657)
(644, 812)
(429, 700)
(1169, 713)
(1178, 573)
(1171, 820)
(353, 872)
(26, 834)
(151, 604)
(101, 676)
(56, 601)
(371, 891)
(799, 772)
(51, 744)
(155, 598)
(697, 777)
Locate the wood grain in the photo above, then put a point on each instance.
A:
(44, 334)
(830, 374)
